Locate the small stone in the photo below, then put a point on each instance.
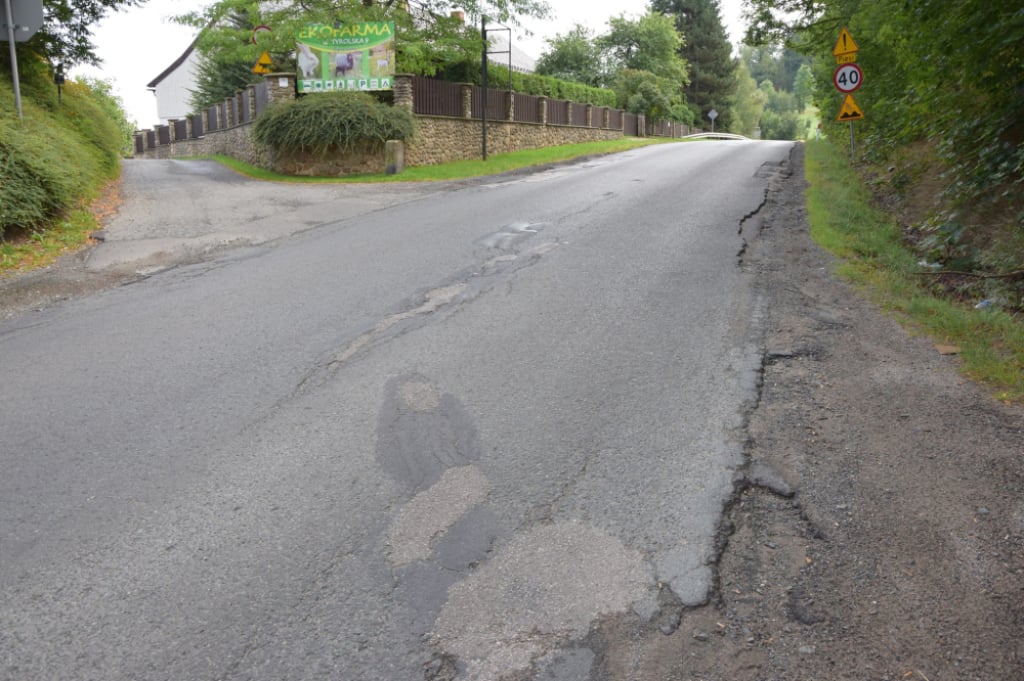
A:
(983, 511)
(700, 636)
(806, 650)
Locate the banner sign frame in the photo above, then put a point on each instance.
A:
(358, 56)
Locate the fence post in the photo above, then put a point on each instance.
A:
(542, 107)
(171, 136)
(590, 115)
(405, 96)
(250, 101)
(606, 118)
(510, 106)
(467, 100)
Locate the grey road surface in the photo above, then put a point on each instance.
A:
(437, 432)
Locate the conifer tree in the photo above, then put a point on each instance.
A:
(707, 50)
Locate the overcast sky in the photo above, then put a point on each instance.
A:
(138, 44)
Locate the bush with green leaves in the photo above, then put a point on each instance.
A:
(58, 153)
(330, 121)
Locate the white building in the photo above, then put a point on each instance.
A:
(173, 88)
(502, 53)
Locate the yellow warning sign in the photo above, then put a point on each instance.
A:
(850, 111)
(846, 49)
(263, 64)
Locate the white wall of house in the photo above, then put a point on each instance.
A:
(174, 89)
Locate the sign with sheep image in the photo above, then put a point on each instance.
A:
(347, 57)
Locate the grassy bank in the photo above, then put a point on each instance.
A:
(457, 170)
(55, 160)
(873, 256)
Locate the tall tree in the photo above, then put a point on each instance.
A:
(574, 56)
(430, 36)
(222, 72)
(650, 74)
(707, 50)
(748, 102)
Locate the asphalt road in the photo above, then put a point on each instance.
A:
(436, 432)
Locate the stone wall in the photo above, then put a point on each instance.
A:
(235, 142)
(438, 139)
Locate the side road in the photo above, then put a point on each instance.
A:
(900, 554)
(180, 212)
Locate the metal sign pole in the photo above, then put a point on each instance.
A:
(483, 33)
(14, 55)
(852, 157)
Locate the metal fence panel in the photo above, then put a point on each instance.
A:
(495, 103)
(433, 97)
(630, 124)
(261, 92)
(526, 108)
(558, 112)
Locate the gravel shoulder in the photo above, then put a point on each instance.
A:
(900, 554)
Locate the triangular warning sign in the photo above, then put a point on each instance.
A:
(850, 111)
(263, 64)
(845, 44)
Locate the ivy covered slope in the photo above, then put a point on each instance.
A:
(60, 153)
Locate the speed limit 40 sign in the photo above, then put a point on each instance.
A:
(848, 78)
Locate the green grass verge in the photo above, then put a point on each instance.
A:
(844, 222)
(456, 170)
(42, 248)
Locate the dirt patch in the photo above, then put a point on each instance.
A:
(901, 554)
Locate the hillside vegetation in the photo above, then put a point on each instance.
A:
(55, 158)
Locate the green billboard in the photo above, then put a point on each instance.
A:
(347, 57)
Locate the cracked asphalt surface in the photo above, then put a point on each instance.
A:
(370, 509)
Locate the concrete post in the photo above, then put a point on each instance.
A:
(394, 157)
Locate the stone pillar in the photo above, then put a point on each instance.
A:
(404, 96)
(606, 117)
(189, 134)
(280, 87)
(172, 132)
(467, 100)
(542, 106)
(510, 106)
(641, 126)
(250, 99)
(590, 115)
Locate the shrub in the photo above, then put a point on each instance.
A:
(498, 77)
(321, 122)
(56, 155)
